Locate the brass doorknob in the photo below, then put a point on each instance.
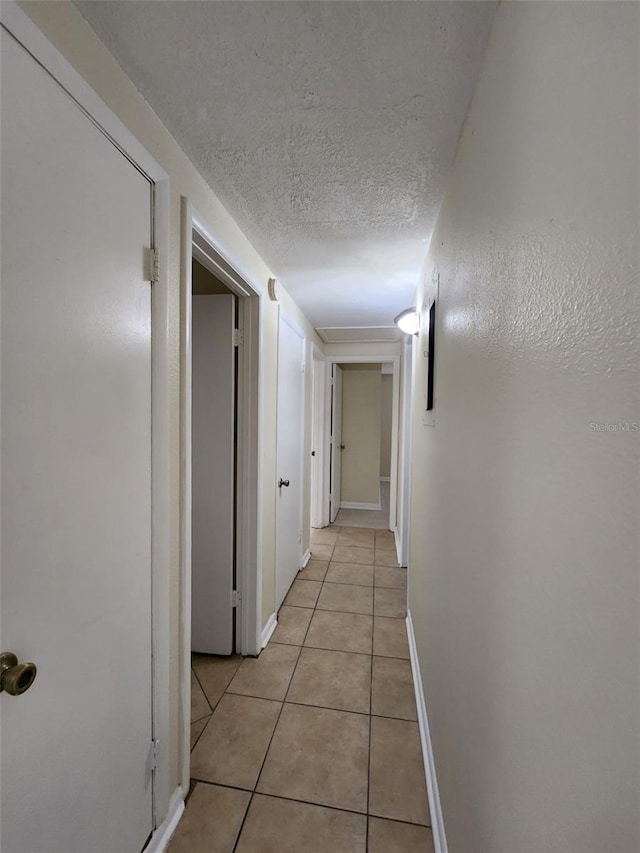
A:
(282, 483)
(15, 677)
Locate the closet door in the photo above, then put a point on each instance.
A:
(336, 442)
(290, 439)
(76, 352)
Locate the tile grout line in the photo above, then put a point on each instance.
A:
(206, 698)
(282, 704)
(208, 716)
(284, 701)
(309, 803)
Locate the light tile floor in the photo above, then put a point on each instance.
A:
(314, 746)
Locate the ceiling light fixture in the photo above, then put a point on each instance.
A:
(408, 321)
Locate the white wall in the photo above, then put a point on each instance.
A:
(524, 548)
(385, 349)
(63, 25)
(361, 418)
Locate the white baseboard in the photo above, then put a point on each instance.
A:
(437, 821)
(385, 479)
(162, 835)
(354, 505)
(269, 628)
(305, 558)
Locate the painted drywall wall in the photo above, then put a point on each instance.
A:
(386, 398)
(385, 349)
(523, 579)
(63, 25)
(361, 398)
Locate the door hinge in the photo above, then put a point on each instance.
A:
(235, 598)
(153, 266)
(154, 754)
(238, 337)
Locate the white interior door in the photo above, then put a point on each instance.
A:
(213, 476)
(317, 425)
(289, 457)
(336, 442)
(75, 765)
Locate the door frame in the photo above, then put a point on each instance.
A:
(19, 25)
(199, 243)
(395, 398)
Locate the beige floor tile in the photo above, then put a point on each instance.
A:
(292, 625)
(356, 537)
(385, 539)
(199, 705)
(321, 552)
(392, 690)
(390, 602)
(319, 756)
(315, 570)
(388, 836)
(390, 577)
(397, 787)
(214, 674)
(232, 747)
(197, 729)
(346, 632)
(282, 826)
(346, 598)
(349, 554)
(267, 676)
(339, 680)
(211, 821)
(324, 536)
(350, 573)
(390, 637)
(386, 557)
(303, 593)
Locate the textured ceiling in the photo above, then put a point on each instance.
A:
(326, 128)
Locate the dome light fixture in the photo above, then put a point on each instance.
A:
(408, 321)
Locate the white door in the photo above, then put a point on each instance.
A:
(290, 438)
(75, 766)
(336, 442)
(317, 429)
(213, 477)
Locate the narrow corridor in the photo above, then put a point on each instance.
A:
(314, 746)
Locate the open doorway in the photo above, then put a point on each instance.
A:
(360, 447)
(228, 335)
(219, 460)
(214, 454)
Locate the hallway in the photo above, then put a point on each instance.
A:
(314, 746)
(372, 518)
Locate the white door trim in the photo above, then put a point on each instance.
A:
(197, 242)
(395, 402)
(54, 63)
